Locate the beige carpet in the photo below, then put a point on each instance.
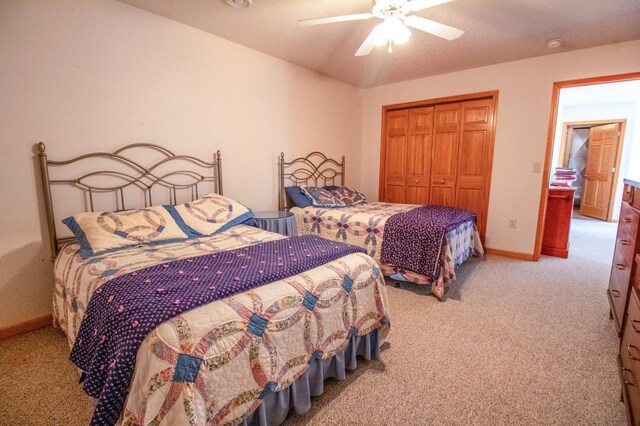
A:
(516, 343)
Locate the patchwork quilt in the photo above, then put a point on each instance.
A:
(363, 225)
(306, 316)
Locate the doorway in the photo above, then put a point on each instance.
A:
(592, 163)
(612, 101)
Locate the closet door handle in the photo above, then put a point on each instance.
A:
(442, 180)
(417, 180)
(620, 266)
(626, 219)
(614, 293)
(624, 242)
(634, 326)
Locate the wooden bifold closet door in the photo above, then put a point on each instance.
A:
(418, 166)
(439, 153)
(444, 154)
(407, 163)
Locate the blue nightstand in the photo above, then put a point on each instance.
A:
(280, 222)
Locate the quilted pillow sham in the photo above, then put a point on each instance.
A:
(104, 232)
(210, 214)
(348, 196)
(298, 197)
(321, 197)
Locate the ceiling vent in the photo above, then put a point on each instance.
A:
(240, 4)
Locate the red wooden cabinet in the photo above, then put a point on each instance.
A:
(555, 240)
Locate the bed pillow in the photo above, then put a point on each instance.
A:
(321, 197)
(298, 197)
(210, 214)
(104, 232)
(348, 196)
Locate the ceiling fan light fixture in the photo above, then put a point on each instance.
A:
(379, 35)
(396, 25)
(391, 31)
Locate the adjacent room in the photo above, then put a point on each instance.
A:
(266, 212)
(595, 148)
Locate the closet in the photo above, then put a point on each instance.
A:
(439, 152)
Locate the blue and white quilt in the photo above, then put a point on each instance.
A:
(310, 314)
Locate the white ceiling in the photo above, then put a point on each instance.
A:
(495, 31)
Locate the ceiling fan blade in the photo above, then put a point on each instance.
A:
(432, 27)
(343, 18)
(368, 44)
(416, 5)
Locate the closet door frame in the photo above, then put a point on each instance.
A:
(493, 95)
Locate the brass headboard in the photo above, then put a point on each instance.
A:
(309, 170)
(123, 177)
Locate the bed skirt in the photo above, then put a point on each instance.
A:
(276, 405)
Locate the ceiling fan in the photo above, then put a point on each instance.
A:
(394, 27)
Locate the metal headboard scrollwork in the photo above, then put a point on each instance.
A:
(310, 170)
(124, 175)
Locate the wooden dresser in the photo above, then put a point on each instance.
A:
(557, 223)
(624, 298)
(627, 244)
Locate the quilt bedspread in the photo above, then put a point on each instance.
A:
(363, 225)
(213, 363)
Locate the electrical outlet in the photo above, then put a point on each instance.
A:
(513, 223)
(536, 169)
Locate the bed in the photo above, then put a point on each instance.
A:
(246, 358)
(364, 225)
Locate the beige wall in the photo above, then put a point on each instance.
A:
(95, 75)
(523, 115)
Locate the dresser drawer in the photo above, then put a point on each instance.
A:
(631, 194)
(625, 245)
(635, 199)
(619, 285)
(636, 278)
(625, 391)
(616, 301)
(629, 384)
(628, 223)
(631, 339)
(621, 269)
(628, 193)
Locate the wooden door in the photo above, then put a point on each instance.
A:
(474, 160)
(453, 153)
(418, 156)
(395, 155)
(601, 161)
(444, 153)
